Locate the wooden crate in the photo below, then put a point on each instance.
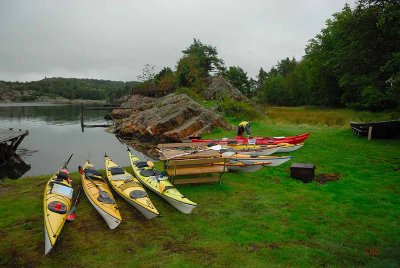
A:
(304, 172)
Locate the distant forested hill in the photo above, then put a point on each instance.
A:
(70, 88)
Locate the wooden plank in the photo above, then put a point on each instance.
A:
(196, 180)
(8, 135)
(194, 170)
(369, 133)
(206, 161)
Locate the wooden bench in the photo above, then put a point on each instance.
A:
(189, 167)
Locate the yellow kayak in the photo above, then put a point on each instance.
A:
(99, 195)
(129, 188)
(56, 203)
(159, 183)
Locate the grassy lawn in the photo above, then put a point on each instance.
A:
(255, 219)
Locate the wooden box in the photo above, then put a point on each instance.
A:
(304, 172)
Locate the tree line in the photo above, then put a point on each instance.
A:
(73, 88)
(353, 62)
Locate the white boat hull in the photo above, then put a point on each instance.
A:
(249, 168)
(182, 207)
(148, 214)
(271, 162)
(111, 221)
(260, 152)
(47, 244)
(290, 148)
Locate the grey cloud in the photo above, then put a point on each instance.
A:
(115, 39)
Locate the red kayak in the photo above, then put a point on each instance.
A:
(260, 140)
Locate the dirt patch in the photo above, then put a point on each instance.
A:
(4, 189)
(257, 247)
(372, 251)
(327, 177)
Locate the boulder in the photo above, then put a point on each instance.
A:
(170, 118)
(219, 88)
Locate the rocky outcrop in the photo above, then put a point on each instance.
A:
(12, 95)
(219, 88)
(170, 118)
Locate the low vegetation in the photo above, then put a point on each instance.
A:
(255, 219)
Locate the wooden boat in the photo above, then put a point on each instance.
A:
(380, 130)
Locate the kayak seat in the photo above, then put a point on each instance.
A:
(168, 187)
(137, 194)
(105, 198)
(147, 172)
(141, 164)
(92, 171)
(61, 176)
(116, 171)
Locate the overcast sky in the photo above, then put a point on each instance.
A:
(115, 39)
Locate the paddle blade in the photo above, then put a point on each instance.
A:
(71, 216)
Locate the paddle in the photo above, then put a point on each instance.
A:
(71, 216)
(66, 163)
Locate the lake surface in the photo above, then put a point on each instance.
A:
(55, 133)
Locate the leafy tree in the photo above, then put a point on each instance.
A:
(206, 57)
(238, 78)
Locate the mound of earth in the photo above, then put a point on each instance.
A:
(170, 118)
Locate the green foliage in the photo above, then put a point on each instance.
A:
(190, 93)
(240, 110)
(206, 57)
(195, 66)
(238, 78)
(73, 88)
(353, 62)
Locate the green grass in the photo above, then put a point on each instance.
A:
(258, 219)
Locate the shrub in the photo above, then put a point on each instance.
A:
(240, 110)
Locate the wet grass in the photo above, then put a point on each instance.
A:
(255, 219)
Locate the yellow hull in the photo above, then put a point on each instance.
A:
(109, 211)
(162, 186)
(127, 186)
(54, 221)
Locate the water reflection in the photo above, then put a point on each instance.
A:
(55, 132)
(14, 168)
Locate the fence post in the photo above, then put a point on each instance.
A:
(369, 133)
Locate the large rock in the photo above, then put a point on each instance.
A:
(170, 118)
(219, 88)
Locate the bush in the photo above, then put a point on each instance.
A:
(240, 110)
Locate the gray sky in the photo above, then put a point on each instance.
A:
(115, 39)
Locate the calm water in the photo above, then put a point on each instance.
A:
(55, 133)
